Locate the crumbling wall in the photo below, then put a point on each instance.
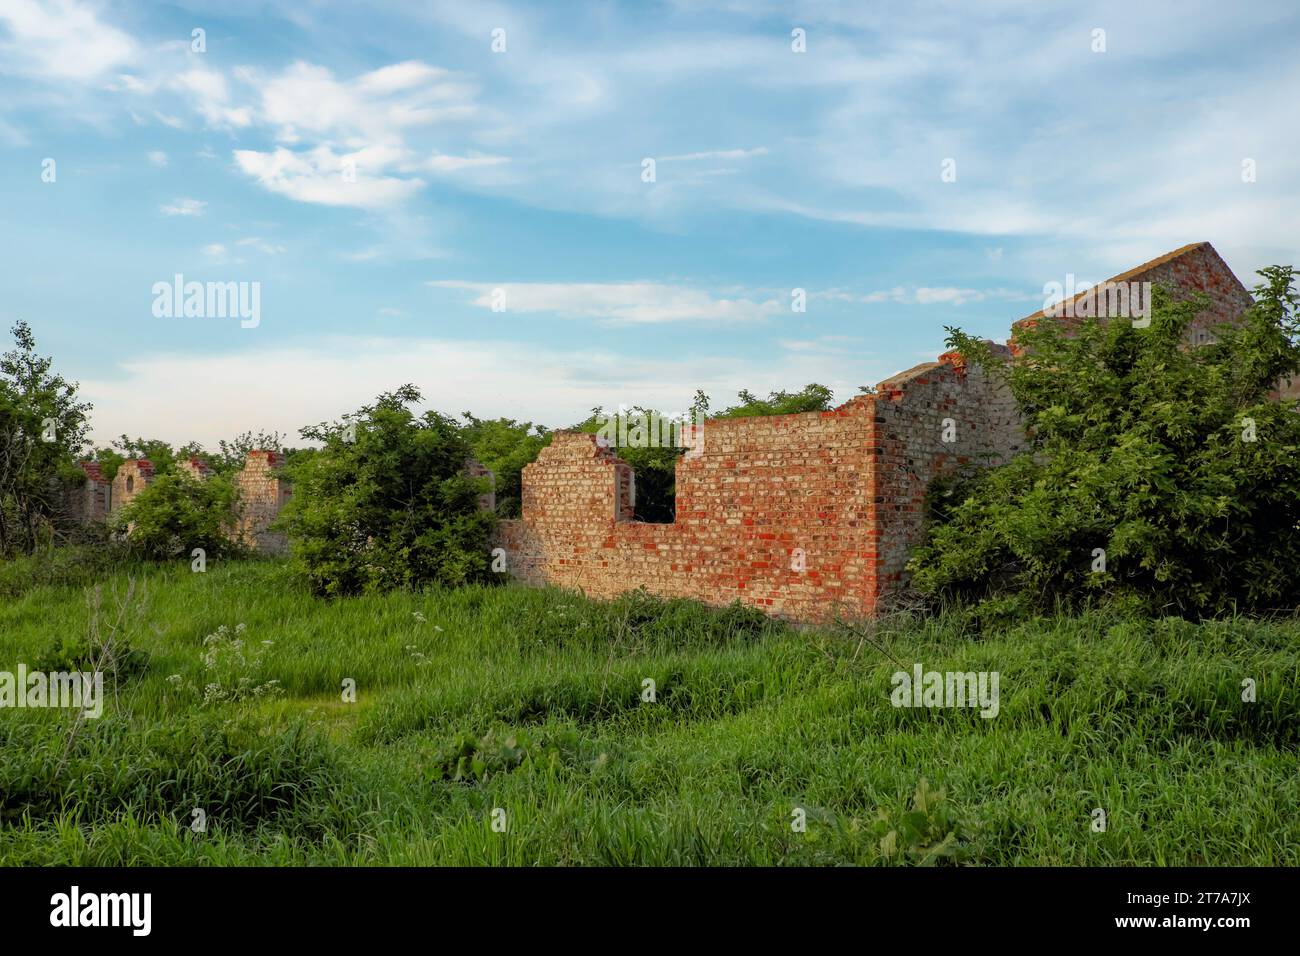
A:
(90, 502)
(1195, 268)
(132, 478)
(194, 467)
(932, 421)
(773, 512)
(262, 494)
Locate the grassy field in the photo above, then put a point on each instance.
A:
(530, 701)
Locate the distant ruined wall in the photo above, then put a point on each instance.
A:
(132, 478)
(262, 494)
(91, 501)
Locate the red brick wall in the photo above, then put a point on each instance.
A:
(808, 516)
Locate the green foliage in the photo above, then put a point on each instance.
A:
(467, 758)
(75, 652)
(811, 398)
(928, 832)
(1143, 717)
(386, 502)
(505, 446)
(1141, 447)
(42, 429)
(176, 513)
(655, 463)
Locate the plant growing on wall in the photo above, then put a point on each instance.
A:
(1159, 472)
(386, 503)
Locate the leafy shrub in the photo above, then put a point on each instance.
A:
(928, 832)
(505, 446)
(470, 759)
(1174, 461)
(387, 503)
(176, 513)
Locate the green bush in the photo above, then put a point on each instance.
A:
(177, 513)
(387, 503)
(1160, 474)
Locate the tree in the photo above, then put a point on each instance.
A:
(177, 513)
(505, 446)
(811, 398)
(386, 502)
(43, 428)
(1159, 472)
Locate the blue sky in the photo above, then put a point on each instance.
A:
(522, 171)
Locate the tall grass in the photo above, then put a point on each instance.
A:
(541, 693)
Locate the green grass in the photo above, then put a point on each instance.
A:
(540, 692)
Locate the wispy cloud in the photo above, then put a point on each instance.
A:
(184, 207)
(617, 302)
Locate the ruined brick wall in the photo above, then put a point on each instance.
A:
(761, 489)
(132, 478)
(809, 516)
(91, 501)
(931, 421)
(261, 496)
(195, 468)
(1195, 268)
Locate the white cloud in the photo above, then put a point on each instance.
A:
(214, 396)
(439, 163)
(215, 251)
(324, 177)
(184, 207)
(619, 302)
(209, 93)
(158, 157)
(62, 40)
(716, 154)
(927, 295)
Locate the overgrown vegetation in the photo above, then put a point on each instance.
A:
(176, 513)
(386, 502)
(43, 427)
(534, 702)
(1160, 474)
